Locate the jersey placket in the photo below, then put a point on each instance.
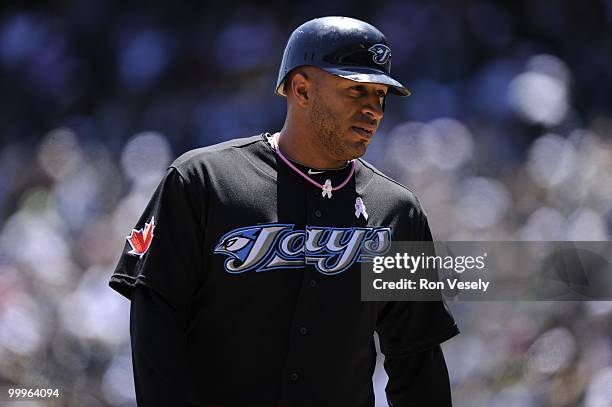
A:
(299, 367)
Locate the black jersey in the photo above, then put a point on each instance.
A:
(266, 271)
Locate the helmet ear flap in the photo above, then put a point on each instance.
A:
(283, 90)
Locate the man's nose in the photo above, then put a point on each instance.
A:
(373, 108)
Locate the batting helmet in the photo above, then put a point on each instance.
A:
(342, 46)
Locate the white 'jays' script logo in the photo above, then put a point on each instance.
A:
(277, 245)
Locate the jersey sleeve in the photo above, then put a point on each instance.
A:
(164, 250)
(406, 327)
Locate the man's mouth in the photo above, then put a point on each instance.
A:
(365, 132)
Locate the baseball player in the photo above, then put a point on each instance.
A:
(244, 270)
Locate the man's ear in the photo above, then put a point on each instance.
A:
(300, 88)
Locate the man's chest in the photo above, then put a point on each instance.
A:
(268, 226)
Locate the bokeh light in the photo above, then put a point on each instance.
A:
(145, 157)
(540, 94)
(552, 351)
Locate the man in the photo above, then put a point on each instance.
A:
(244, 270)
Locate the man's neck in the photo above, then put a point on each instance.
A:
(304, 150)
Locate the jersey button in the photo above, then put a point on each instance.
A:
(294, 377)
(303, 331)
(317, 213)
(313, 283)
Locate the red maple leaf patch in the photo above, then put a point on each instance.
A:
(140, 239)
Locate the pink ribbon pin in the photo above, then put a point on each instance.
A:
(360, 208)
(327, 189)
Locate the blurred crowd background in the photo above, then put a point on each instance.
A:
(507, 136)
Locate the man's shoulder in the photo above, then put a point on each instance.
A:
(209, 152)
(391, 189)
(216, 153)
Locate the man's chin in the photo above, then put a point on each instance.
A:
(348, 149)
(355, 150)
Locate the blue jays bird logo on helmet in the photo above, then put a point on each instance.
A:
(381, 52)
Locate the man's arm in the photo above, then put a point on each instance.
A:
(159, 343)
(410, 334)
(419, 379)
